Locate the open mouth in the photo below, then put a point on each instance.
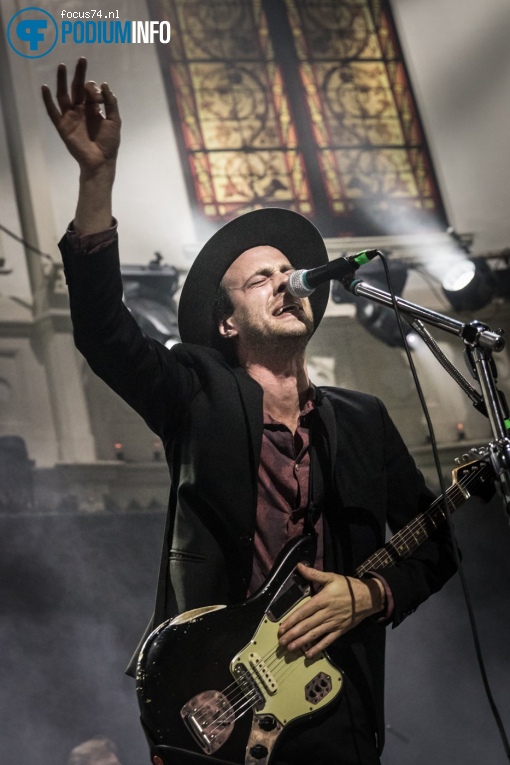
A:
(289, 308)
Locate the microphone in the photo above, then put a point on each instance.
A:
(303, 282)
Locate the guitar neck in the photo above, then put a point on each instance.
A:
(408, 539)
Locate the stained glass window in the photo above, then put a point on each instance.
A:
(303, 104)
(231, 109)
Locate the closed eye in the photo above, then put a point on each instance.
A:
(257, 280)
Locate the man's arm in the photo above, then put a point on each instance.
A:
(136, 367)
(91, 138)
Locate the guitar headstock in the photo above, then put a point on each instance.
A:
(474, 474)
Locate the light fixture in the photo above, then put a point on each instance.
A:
(377, 319)
(148, 294)
(469, 284)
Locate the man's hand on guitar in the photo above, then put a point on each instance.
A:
(341, 603)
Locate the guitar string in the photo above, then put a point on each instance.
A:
(428, 514)
(244, 700)
(418, 523)
(409, 534)
(288, 668)
(235, 685)
(236, 702)
(249, 700)
(403, 537)
(236, 709)
(406, 541)
(436, 509)
(225, 717)
(410, 537)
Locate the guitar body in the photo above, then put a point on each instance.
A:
(214, 681)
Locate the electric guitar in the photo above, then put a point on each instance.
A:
(214, 680)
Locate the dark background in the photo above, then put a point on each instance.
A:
(77, 591)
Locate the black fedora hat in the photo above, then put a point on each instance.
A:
(287, 231)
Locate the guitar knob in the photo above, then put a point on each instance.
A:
(267, 723)
(258, 751)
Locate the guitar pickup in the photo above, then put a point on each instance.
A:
(264, 675)
(247, 684)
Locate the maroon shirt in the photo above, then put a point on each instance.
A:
(283, 485)
(282, 502)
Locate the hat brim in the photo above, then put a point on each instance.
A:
(287, 231)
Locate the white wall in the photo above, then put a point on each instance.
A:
(459, 59)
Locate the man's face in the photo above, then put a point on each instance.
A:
(263, 310)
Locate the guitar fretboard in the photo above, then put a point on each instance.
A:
(408, 539)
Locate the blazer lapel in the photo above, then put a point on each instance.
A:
(251, 395)
(337, 538)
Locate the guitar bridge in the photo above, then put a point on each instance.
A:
(210, 719)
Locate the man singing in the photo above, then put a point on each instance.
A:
(257, 454)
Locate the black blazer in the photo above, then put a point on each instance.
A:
(209, 417)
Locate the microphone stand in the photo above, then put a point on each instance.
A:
(480, 343)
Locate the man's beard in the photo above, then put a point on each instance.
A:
(282, 340)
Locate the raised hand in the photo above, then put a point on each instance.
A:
(91, 138)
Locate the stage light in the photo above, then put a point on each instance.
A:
(381, 323)
(469, 284)
(377, 319)
(148, 293)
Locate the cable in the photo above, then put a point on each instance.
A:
(458, 562)
(27, 244)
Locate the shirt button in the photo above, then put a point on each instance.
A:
(296, 466)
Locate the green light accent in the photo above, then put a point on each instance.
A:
(362, 259)
(507, 424)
